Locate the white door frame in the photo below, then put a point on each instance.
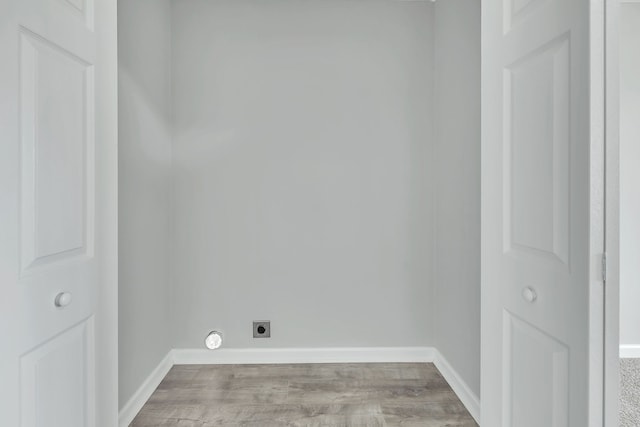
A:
(605, 127)
(612, 215)
(603, 212)
(600, 210)
(106, 151)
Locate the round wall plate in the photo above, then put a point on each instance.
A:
(213, 340)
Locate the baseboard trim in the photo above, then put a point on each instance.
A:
(303, 355)
(468, 398)
(144, 392)
(630, 351)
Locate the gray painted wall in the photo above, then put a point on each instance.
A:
(322, 216)
(629, 174)
(303, 163)
(457, 218)
(144, 190)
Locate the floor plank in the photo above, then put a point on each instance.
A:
(329, 395)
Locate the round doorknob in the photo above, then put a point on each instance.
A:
(63, 299)
(529, 294)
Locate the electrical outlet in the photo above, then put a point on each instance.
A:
(262, 329)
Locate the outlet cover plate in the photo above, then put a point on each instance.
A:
(266, 324)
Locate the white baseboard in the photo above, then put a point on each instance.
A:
(303, 355)
(144, 392)
(183, 356)
(468, 398)
(630, 351)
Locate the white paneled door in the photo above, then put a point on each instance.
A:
(541, 214)
(58, 213)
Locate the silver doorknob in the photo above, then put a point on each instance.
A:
(529, 294)
(63, 299)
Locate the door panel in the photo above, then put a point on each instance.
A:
(56, 380)
(83, 9)
(57, 153)
(56, 255)
(536, 369)
(537, 153)
(537, 258)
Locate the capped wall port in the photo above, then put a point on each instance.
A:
(262, 329)
(213, 340)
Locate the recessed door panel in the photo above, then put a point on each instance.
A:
(536, 91)
(535, 375)
(56, 380)
(517, 11)
(57, 153)
(77, 4)
(81, 10)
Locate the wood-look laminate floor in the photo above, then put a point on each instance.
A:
(328, 395)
